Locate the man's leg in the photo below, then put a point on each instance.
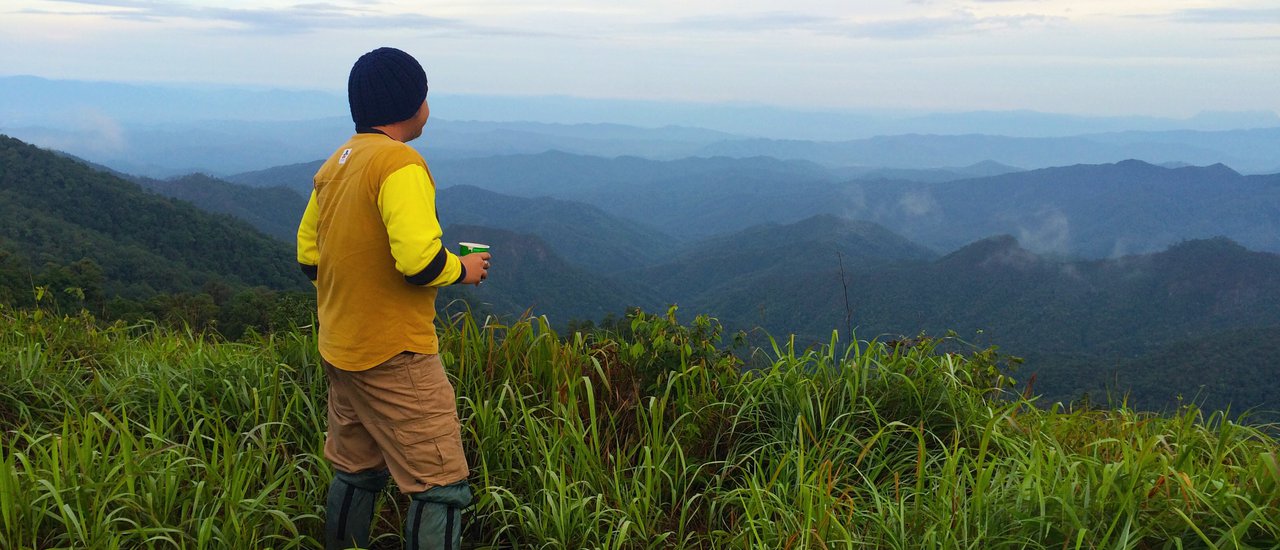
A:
(349, 509)
(435, 517)
(359, 469)
(409, 409)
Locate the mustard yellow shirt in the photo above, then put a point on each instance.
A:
(370, 240)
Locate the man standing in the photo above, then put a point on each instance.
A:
(370, 239)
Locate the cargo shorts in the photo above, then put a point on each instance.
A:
(401, 416)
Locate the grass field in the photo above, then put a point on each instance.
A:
(650, 436)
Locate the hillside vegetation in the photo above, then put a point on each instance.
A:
(117, 238)
(646, 435)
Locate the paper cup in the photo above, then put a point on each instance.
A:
(467, 248)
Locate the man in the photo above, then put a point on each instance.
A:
(370, 240)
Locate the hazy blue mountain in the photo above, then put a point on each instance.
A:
(937, 175)
(225, 147)
(162, 131)
(830, 125)
(560, 174)
(584, 235)
(35, 101)
(465, 139)
(688, 198)
(527, 275)
(733, 261)
(1251, 151)
(293, 176)
(1085, 210)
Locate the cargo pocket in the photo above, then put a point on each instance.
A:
(432, 449)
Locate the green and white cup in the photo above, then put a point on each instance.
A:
(468, 248)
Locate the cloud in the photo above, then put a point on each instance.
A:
(956, 22)
(1254, 38)
(757, 22)
(84, 131)
(915, 203)
(1228, 15)
(1052, 234)
(297, 18)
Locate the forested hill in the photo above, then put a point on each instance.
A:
(1023, 301)
(109, 235)
(1083, 326)
(272, 210)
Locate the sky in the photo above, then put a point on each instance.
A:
(1170, 58)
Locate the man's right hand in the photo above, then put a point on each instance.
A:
(477, 266)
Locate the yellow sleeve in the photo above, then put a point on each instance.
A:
(308, 252)
(407, 201)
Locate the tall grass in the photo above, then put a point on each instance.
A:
(648, 437)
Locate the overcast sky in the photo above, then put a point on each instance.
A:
(1099, 57)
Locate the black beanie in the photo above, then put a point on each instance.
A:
(386, 86)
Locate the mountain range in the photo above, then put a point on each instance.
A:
(1081, 269)
(163, 131)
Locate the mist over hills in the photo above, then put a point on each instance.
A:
(1094, 211)
(1250, 151)
(1087, 210)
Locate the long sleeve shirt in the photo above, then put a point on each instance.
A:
(370, 238)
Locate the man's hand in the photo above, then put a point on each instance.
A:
(477, 265)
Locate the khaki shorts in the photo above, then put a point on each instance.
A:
(401, 416)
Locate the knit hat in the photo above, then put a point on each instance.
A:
(386, 86)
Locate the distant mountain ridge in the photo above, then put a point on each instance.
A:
(163, 131)
(1083, 210)
(527, 275)
(168, 103)
(583, 234)
(1249, 151)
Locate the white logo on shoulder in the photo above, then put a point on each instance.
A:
(343, 159)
